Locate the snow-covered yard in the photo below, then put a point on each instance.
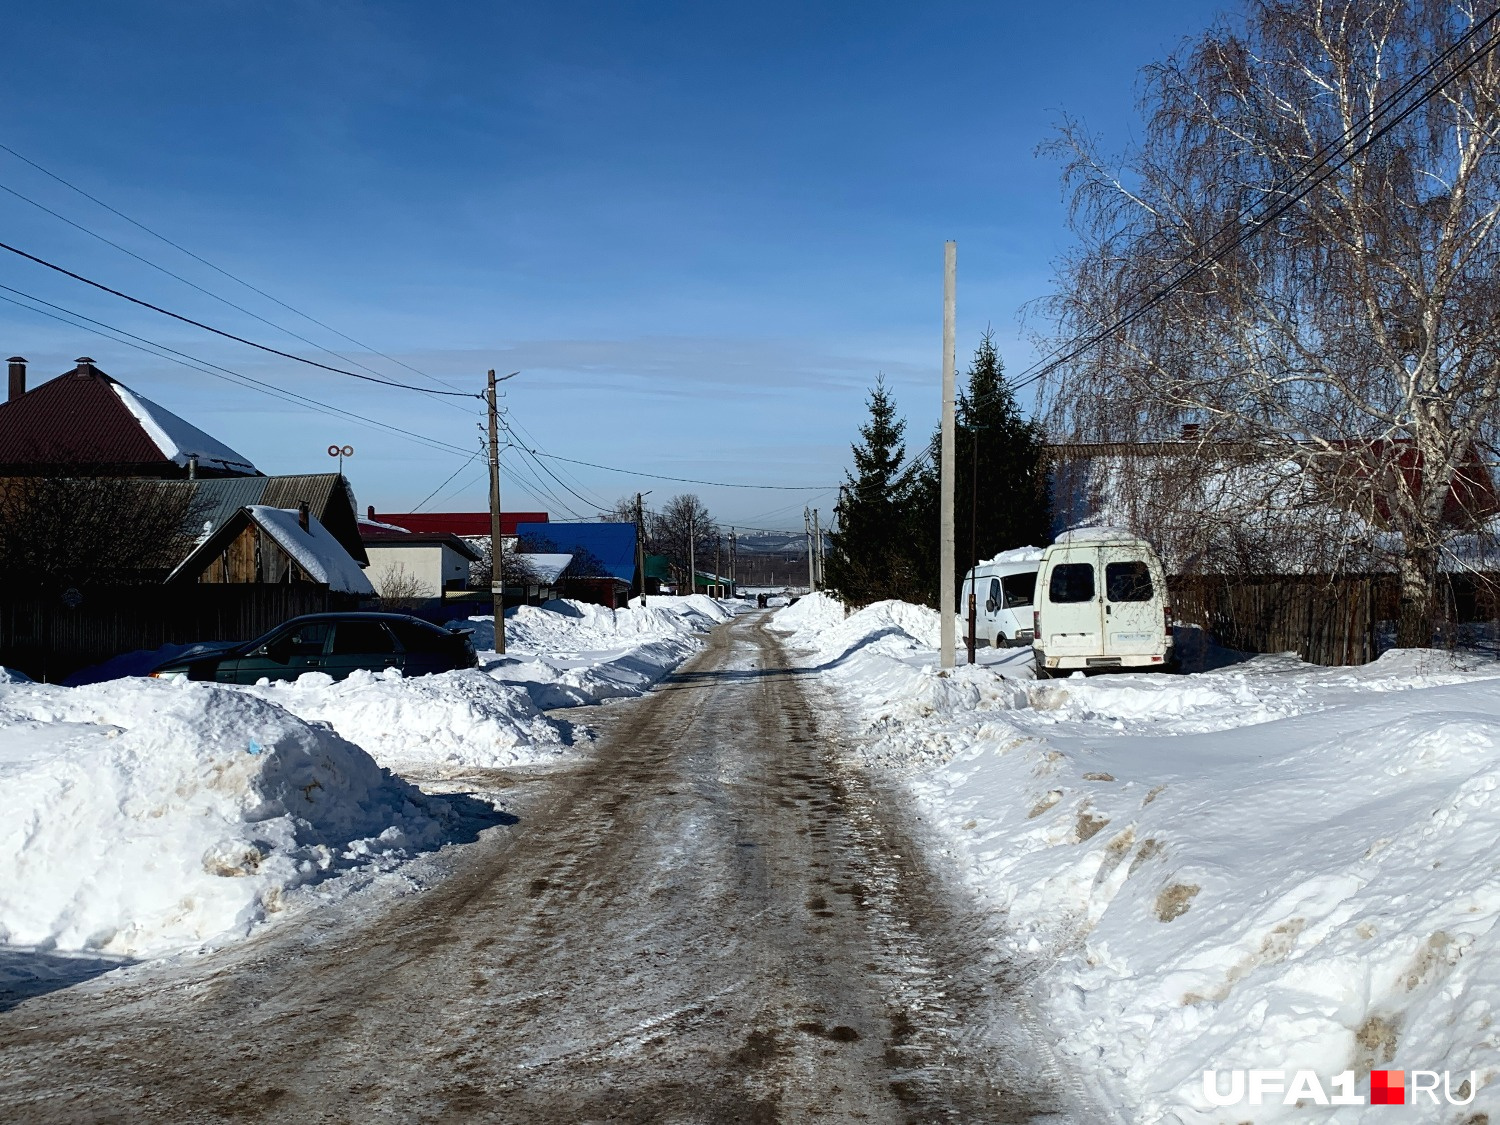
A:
(1267, 866)
(140, 816)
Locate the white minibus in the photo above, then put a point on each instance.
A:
(1101, 602)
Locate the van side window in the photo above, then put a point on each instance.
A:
(1127, 582)
(1071, 582)
(994, 598)
(1020, 589)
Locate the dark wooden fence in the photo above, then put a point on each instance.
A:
(48, 639)
(1328, 620)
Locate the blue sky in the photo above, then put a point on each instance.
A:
(699, 230)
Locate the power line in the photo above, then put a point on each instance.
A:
(184, 359)
(444, 485)
(228, 335)
(220, 270)
(185, 281)
(684, 480)
(1295, 189)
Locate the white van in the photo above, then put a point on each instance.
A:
(1101, 603)
(1003, 588)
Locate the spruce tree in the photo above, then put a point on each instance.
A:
(1000, 502)
(870, 557)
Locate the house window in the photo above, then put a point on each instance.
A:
(1071, 582)
(1020, 589)
(1127, 582)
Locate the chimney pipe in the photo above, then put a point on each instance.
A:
(17, 377)
(192, 466)
(302, 514)
(85, 365)
(371, 509)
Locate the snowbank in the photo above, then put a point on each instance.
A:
(560, 654)
(1268, 866)
(142, 816)
(454, 720)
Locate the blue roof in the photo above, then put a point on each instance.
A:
(612, 543)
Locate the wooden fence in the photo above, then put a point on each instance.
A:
(48, 639)
(1328, 620)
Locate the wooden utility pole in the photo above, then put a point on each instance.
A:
(497, 544)
(947, 657)
(734, 578)
(640, 547)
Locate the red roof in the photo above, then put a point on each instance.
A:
(457, 523)
(80, 420)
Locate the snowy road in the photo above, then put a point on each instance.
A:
(709, 918)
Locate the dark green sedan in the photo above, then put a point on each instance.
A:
(335, 643)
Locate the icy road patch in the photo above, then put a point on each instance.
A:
(1267, 866)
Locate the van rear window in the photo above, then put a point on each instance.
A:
(1071, 582)
(1127, 581)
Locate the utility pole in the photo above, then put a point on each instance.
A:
(818, 546)
(973, 640)
(718, 562)
(947, 656)
(497, 545)
(692, 555)
(812, 575)
(734, 577)
(640, 548)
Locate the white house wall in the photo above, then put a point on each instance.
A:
(431, 564)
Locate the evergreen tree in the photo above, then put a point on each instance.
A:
(1000, 492)
(870, 556)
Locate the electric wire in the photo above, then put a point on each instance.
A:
(220, 270)
(186, 281)
(184, 359)
(444, 485)
(228, 335)
(685, 480)
(1282, 197)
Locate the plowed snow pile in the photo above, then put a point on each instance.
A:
(1270, 866)
(139, 816)
(561, 654)
(142, 816)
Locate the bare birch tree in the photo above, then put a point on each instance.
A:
(1357, 336)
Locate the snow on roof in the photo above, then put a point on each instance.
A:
(365, 522)
(177, 439)
(1098, 535)
(1015, 555)
(316, 551)
(546, 566)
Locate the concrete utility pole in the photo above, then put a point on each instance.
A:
(692, 555)
(812, 574)
(734, 578)
(497, 547)
(640, 548)
(947, 656)
(818, 546)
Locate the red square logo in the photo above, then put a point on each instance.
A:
(1387, 1087)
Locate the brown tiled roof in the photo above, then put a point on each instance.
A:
(75, 419)
(79, 423)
